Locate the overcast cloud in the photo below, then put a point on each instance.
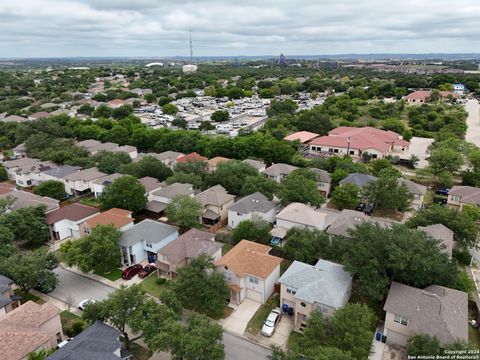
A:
(50, 28)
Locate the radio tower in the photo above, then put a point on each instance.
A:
(191, 47)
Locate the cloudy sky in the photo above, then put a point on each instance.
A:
(51, 28)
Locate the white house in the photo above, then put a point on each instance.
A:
(65, 222)
(80, 182)
(251, 207)
(143, 240)
(459, 89)
(98, 185)
(303, 216)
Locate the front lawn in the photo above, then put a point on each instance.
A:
(256, 322)
(29, 297)
(151, 287)
(139, 352)
(90, 201)
(473, 337)
(72, 324)
(112, 275)
(226, 248)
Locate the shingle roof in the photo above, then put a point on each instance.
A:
(85, 175)
(349, 219)
(441, 233)
(26, 199)
(62, 171)
(107, 179)
(358, 179)
(322, 175)
(435, 310)
(279, 169)
(116, 217)
(255, 163)
(149, 231)
(73, 212)
(213, 162)
(467, 194)
(303, 214)
(325, 283)
(250, 258)
(191, 157)
(97, 342)
(216, 195)
(150, 183)
(190, 245)
(414, 188)
(174, 189)
(254, 202)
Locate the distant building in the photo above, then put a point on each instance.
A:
(189, 69)
(459, 89)
(423, 96)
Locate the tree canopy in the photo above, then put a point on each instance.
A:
(300, 186)
(126, 193)
(231, 175)
(257, 230)
(184, 211)
(51, 188)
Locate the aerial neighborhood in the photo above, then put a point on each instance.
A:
(155, 210)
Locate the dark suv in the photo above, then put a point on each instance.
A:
(131, 271)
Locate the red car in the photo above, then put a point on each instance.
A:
(131, 271)
(147, 270)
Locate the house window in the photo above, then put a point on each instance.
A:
(86, 231)
(401, 320)
(335, 151)
(239, 214)
(303, 304)
(352, 152)
(323, 308)
(149, 245)
(330, 150)
(291, 290)
(253, 280)
(456, 198)
(227, 276)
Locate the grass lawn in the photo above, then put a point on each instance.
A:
(473, 337)
(113, 275)
(68, 318)
(256, 322)
(29, 297)
(428, 198)
(294, 341)
(226, 247)
(139, 352)
(90, 201)
(151, 287)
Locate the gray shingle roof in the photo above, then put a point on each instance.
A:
(349, 219)
(441, 233)
(254, 202)
(279, 169)
(62, 171)
(174, 189)
(435, 310)
(325, 283)
(97, 342)
(216, 195)
(358, 179)
(322, 175)
(147, 230)
(255, 163)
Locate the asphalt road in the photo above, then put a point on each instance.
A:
(73, 288)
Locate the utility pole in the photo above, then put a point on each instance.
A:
(191, 46)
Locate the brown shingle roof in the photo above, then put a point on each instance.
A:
(250, 258)
(116, 217)
(74, 212)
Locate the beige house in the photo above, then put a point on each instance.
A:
(436, 310)
(8, 300)
(278, 172)
(324, 287)
(417, 190)
(250, 271)
(29, 328)
(324, 181)
(458, 196)
(215, 202)
(188, 246)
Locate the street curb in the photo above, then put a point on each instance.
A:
(243, 337)
(87, 277)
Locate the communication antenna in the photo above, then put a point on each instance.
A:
(191, 46)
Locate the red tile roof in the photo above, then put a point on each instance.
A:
(302, 136)
(191, 157)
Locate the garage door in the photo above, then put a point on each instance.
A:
(254, 295)
(396, 338)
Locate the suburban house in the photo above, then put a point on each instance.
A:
(358, 179)
(121, 219)
(351, 141)
(347, 220)
(168, 158)
(324, 181)
(192, 157)
(251, 207)
(304, 216)
(302, 137)
(436, 310)
(29, 328)
(23, 199)
(127, 149)
(26, 176)
(150, 184)
(441, 233)
(59, 173)
(304, 288)
(215, 202)
(250, 271)
(95, 146)
(278, 172)
(423, 96)
(8, 300)
(458, 196)
(20, 151)
(80, 182)
(158, 199)
(417, 190)
(187, 246)
(459, 89)
(98, 341)
(98, 185)
(260, 166)
(65, 222)
(143, 240)
(213, 163)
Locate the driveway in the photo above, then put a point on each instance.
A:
(73, 288)
(239, 318)
(473, 122)
(418, 147)
(282, 332)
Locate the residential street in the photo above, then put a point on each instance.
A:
(73, 288)
(473, 122)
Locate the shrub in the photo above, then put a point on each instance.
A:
(161, 281)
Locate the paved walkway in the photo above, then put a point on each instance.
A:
(280, 337)
(378, 347)
(238, 320)
(473, 122)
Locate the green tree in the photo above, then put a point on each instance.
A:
(300, 186)
(103, 111)
(282, 107)
(231, 174)
(445, 159)
(86, 109)
(220, 116)
(122, 112)
(99, 251)
(28, 226)
(423, 344)
(379, 164)
(200, 288)
(169, 109)
(109, 162)
(346, 196)
(257, 230)
(3, 173)
(184, 211)
(306, 245)
(7, 246)
(388, 194)
(125, 192)
(148, 166)
(51, 188)
(206, 126)
(179, 122)
(186, 178)
(41, 354)
(258, 183)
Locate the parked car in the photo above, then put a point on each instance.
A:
(147, 270)
(368, 210)
(360, 207)
(131, 271)
(271, 323)
(442, 191)
(85, 302)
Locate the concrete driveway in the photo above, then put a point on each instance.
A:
(418, 147)
(281, 334)
(239, 318)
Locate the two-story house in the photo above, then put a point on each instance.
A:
(251, 207)
(143, 240)
(250, 271)
(119, 218)
(65, 222)
(158, 199)
(304, 288)
(278, 172)
(459, 196)
(8, 300)
(215, 202)
(324, 181)
(99, 185)
(80, 182)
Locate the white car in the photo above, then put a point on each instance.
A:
(85, 302)
(271, 323)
